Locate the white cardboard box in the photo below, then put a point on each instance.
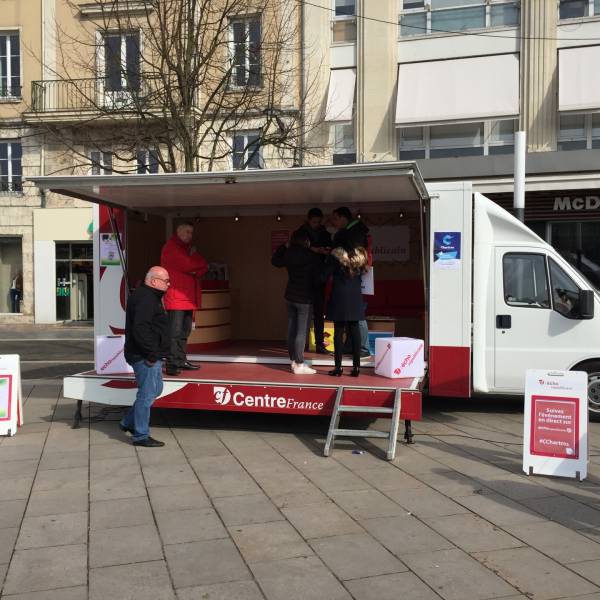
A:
(398, 357)
(110, 358)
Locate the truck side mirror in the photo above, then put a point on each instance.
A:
(586, 304)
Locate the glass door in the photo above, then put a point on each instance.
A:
(74, 282)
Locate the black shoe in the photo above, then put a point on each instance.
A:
(355, 372)
(149, 443)
(188, 366)
(125, 429)
(172, 371)
(337, 372)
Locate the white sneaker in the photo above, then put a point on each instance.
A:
(294, 366)
(303, 369)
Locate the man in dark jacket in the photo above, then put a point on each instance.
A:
(303, 272)
(353, 233)
(185, 267)
(320, 243)
(146, 343)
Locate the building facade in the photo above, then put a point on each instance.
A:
(448, 82)
(443, 82)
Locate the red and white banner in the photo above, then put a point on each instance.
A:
(11, 406)
(555, 425)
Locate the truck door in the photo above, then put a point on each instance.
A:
(537, 325)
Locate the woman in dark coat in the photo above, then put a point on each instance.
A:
(346, 306)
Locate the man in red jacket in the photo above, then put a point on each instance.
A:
(185, 267)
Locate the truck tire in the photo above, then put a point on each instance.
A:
(592, 368)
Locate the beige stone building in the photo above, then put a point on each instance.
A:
(443, 82)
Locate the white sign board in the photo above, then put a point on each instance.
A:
(555, 432)
(11, 407)
(367, 284)
(110, 358)
(109, 250)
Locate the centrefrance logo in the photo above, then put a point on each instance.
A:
(223, 396)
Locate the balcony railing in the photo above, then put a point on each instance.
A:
(10, 92)
(94, 94)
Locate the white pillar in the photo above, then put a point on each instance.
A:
(519, 189)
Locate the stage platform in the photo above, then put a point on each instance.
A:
(255, 377)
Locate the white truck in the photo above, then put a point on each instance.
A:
(489, 297)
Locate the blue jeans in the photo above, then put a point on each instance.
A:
(150, 386)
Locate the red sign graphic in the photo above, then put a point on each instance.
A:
(555, 427)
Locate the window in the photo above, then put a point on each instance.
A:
(578, 131)
(456, 140)
(344, 151)
(571, 9)
(525, 280)
(147, 161)
(344, 21)
(246, 51)
(422, 17)
(122, 62)
(11, 176)
(11, 274)
(101, 162)
(246, 151)
(10, 66)
(565, 292)
(452, 140)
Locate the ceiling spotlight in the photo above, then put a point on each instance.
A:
(358, 214)
(278, 217)
(236, 218)
(401, 215)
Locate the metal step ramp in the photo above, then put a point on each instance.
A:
(339, 408)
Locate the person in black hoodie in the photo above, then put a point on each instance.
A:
(303, 276)
(320, 243)
(146, 343)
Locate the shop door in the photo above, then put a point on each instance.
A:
(74, 282)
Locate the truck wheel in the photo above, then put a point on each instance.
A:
(592, 368)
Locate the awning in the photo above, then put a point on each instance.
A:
(340, 99)
(161, 193)
(464, 89)
(578, 81)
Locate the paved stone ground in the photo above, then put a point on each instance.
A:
(244, 507)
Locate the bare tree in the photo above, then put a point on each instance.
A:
(178, 83)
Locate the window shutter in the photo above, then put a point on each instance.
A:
(254, 76)
(132, 41)
(253, 152)
(239, 53)
(112, 63)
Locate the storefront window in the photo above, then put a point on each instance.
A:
(577, 243)
(11, 274)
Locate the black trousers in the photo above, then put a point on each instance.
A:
(180, 327)
(338, 342)
(318, 318)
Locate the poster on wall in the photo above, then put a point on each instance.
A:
(390, 243)
(555, 424)
(446, 250)
(109, 251)
(11, 408)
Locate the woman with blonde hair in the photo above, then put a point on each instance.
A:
(346, 306)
